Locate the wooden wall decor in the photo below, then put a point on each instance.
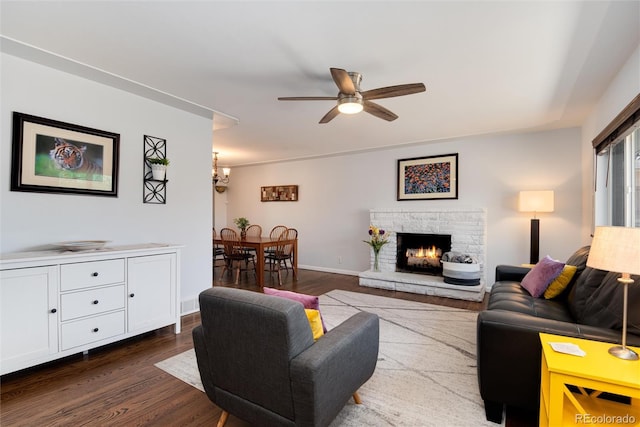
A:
(279, 193)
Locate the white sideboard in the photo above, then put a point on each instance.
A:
(56, 303)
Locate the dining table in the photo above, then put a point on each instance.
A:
(260, 244)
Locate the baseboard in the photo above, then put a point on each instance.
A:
(329, 270)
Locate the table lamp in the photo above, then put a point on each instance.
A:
(535, 201)
(617, 249)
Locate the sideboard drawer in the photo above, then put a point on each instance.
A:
(93, 329)
(94, 273)
(90, 302)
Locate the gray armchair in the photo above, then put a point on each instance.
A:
(258, 361)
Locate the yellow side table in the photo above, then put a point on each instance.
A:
(590, 375)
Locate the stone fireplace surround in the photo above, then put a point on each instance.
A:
(467, 228)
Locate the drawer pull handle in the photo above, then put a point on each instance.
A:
(132, 295)
(95, 329)
(54, 310)
(94, 274)
(95, 301)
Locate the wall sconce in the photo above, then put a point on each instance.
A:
(535, 201)
(215, 178)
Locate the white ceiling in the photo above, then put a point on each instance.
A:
(489, 66)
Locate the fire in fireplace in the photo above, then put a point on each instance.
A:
(421, 253)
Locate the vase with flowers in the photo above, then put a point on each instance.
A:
(242, 223)
(377, 240)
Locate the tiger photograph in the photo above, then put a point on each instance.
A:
(61, 158)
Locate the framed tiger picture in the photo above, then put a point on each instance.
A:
(49, 156)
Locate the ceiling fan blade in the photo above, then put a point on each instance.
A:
(330, 115)
(391, 91)
(379, 111)
(343, 81)
(307, 98)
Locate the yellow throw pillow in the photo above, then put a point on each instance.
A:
(560, 283)
(315, 322)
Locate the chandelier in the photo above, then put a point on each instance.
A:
(215, 178)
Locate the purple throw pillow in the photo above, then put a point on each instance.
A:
(541, 275)
(308, 301)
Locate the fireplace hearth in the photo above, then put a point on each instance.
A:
(421, 253)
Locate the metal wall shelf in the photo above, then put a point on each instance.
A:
(153, 190)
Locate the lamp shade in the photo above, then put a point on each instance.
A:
(536, 201)
(615, 249)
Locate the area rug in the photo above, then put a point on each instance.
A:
(426, 371)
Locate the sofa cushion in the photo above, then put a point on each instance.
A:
(510, 296)
(560, 283)
(579, 259)
(602, 306)
(541, 275)
(588, 282)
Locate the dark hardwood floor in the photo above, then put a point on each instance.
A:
(118, 385)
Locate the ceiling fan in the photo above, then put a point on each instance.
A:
(352, 100)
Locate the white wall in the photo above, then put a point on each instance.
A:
(624, 87)
(31, 220)
(336, 193)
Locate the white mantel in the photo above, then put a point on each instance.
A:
(467, 228)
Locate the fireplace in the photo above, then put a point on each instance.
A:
(467, 228)
(421, 253)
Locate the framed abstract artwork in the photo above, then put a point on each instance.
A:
(428, 178)
(49, 156)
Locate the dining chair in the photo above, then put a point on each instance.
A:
(275, 234)
(253, 231)
(218, 250)
(235, 254)
(283, 252)
(277, 231)
(292, 234)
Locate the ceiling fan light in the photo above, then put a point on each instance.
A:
(350, 105)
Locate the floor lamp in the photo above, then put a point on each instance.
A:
(617, 249)
(535, 201)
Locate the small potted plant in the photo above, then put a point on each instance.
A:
(242, 223)
(158, 167)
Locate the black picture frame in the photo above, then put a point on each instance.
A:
(50, 156)
(428, 178)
